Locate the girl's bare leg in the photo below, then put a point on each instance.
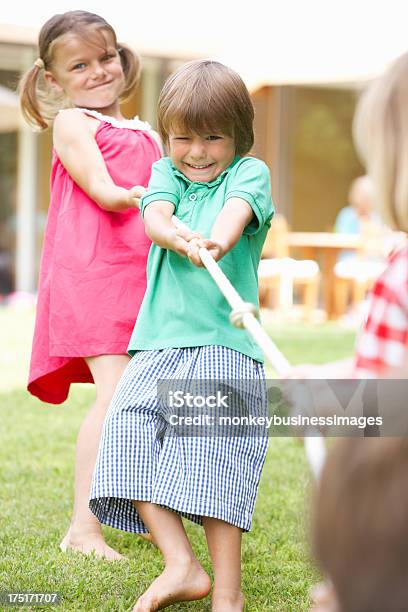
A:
(224, 544)
(85, 533)
(183, 578)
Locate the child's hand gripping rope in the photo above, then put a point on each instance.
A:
(135, 194)
(244, 315)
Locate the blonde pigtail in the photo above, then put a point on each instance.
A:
(131, 68)
(29, 103)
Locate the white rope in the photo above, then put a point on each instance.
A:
(314, 445)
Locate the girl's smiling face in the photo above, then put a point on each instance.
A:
(200, 157)
(89, 74)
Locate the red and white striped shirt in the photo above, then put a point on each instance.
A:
(384, 339)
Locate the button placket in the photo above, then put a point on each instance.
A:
(190, 201)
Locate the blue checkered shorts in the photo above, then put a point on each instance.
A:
(195, 476)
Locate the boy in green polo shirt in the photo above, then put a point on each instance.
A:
(183, 332)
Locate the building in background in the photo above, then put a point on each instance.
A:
(303, 133)
(304, 107)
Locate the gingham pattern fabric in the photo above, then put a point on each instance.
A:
(139, 459)
(383, 341)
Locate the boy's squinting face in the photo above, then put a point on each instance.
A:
(91, 76)
(201, 157)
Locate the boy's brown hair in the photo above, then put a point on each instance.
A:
(39, 104)
(206, 97)
(360, 531)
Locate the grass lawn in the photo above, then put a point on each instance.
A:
(36, 477)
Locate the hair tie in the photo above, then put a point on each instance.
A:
(39, 63)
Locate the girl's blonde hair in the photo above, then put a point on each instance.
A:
(207, 97)
(39, 104)
(381, 137)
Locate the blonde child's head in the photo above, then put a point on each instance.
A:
(381, 136)
(39, 101)
(206, 97)
(361, 195)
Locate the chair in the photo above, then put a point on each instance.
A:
(281, 275)
(356, 275)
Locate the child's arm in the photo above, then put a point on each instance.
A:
(226, 231)
(160, 229)
(75, 144)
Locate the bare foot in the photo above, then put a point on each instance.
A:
(324, 598)
(227, 602)
(88, 542)
(179, 582)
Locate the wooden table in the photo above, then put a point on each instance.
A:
(324, 246)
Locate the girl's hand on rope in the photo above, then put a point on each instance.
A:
(331, 370)
(216, 249)
(135, 194)
(321, 391)
(307, 371)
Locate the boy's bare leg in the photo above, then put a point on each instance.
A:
(85, 533)
(224, 544)
(183, 578)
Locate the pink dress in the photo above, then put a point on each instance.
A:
(93, 266)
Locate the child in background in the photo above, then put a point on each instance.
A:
(352, 218)
(365, 265)
(183, 332)
(92, 278)
(360, 530)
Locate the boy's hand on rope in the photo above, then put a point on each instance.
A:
(135, 194)
(187, 234)
(216, 249)
(180, 239)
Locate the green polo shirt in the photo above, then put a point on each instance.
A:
(182, 306)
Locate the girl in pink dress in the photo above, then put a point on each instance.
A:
(92, 277)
